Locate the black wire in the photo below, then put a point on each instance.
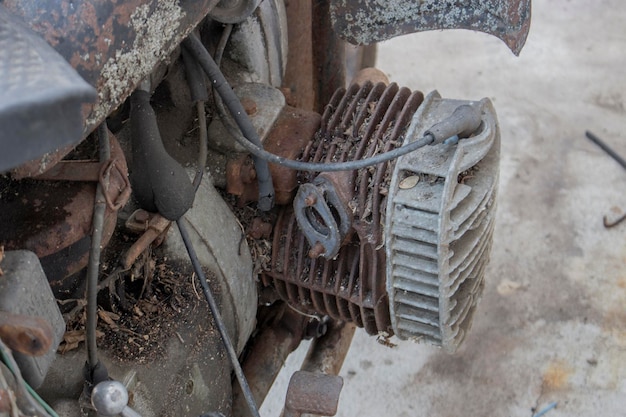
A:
(226, 120)
(221, 327)
(219, 83)
(606, 148)
(93, 268)
(337, 166)
(251, 141)
(221, 45)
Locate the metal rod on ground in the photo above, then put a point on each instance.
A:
(221, 327)
(606, 148)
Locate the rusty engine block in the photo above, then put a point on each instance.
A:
(347, 283)
(395, 250)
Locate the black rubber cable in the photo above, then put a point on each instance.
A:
(221, 327)
(93, 268)
(251, 141)
(606, 148)
(219, 83)
(225, 118)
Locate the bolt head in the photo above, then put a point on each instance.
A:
(310, 200)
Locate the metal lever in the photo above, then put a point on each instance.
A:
(110, 398)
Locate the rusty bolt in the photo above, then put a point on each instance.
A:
(247, 174)
(249, 106)
(310, 200)
(317, 250)
(142, 216)
(260, 229)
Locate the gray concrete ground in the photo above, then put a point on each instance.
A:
(552, 323)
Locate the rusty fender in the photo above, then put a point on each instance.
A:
(365, 22)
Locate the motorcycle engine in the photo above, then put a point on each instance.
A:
(398, 247)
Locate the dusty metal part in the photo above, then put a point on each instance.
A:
(26, 334)
(41, 95)
(439, 230)
(258, 45)
(329, 55)
(112, 175)
(316, 64)
(260, 229)
(40, 165)
(366, 22)
(312, 393)
(298, 79)
(293, 129)
(46, 217)
(282, 330)
(265, 104)
(327, 354)
(51, 215)
(323, 214)
(112, 45)
(25, 291)
(359, 122)
(156, 226)
(288, 137)
(233, 11)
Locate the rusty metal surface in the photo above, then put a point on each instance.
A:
(282, 330)
(298, 80)
(25, 334)
(329, 55)
(327, 354)
(293, 129)
(316, 59)
(310, 392)
(51, 215)
(367, 22)
(112, 44)
(359, 122)
(40, 165)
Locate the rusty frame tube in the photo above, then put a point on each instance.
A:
(267, 353)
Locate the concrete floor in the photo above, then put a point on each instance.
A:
(552, 323)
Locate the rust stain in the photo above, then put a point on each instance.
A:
(557, 375)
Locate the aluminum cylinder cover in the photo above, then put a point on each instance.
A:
(439, 227)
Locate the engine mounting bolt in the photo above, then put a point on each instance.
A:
(142, 216)
(310, 200)
(317, 250)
